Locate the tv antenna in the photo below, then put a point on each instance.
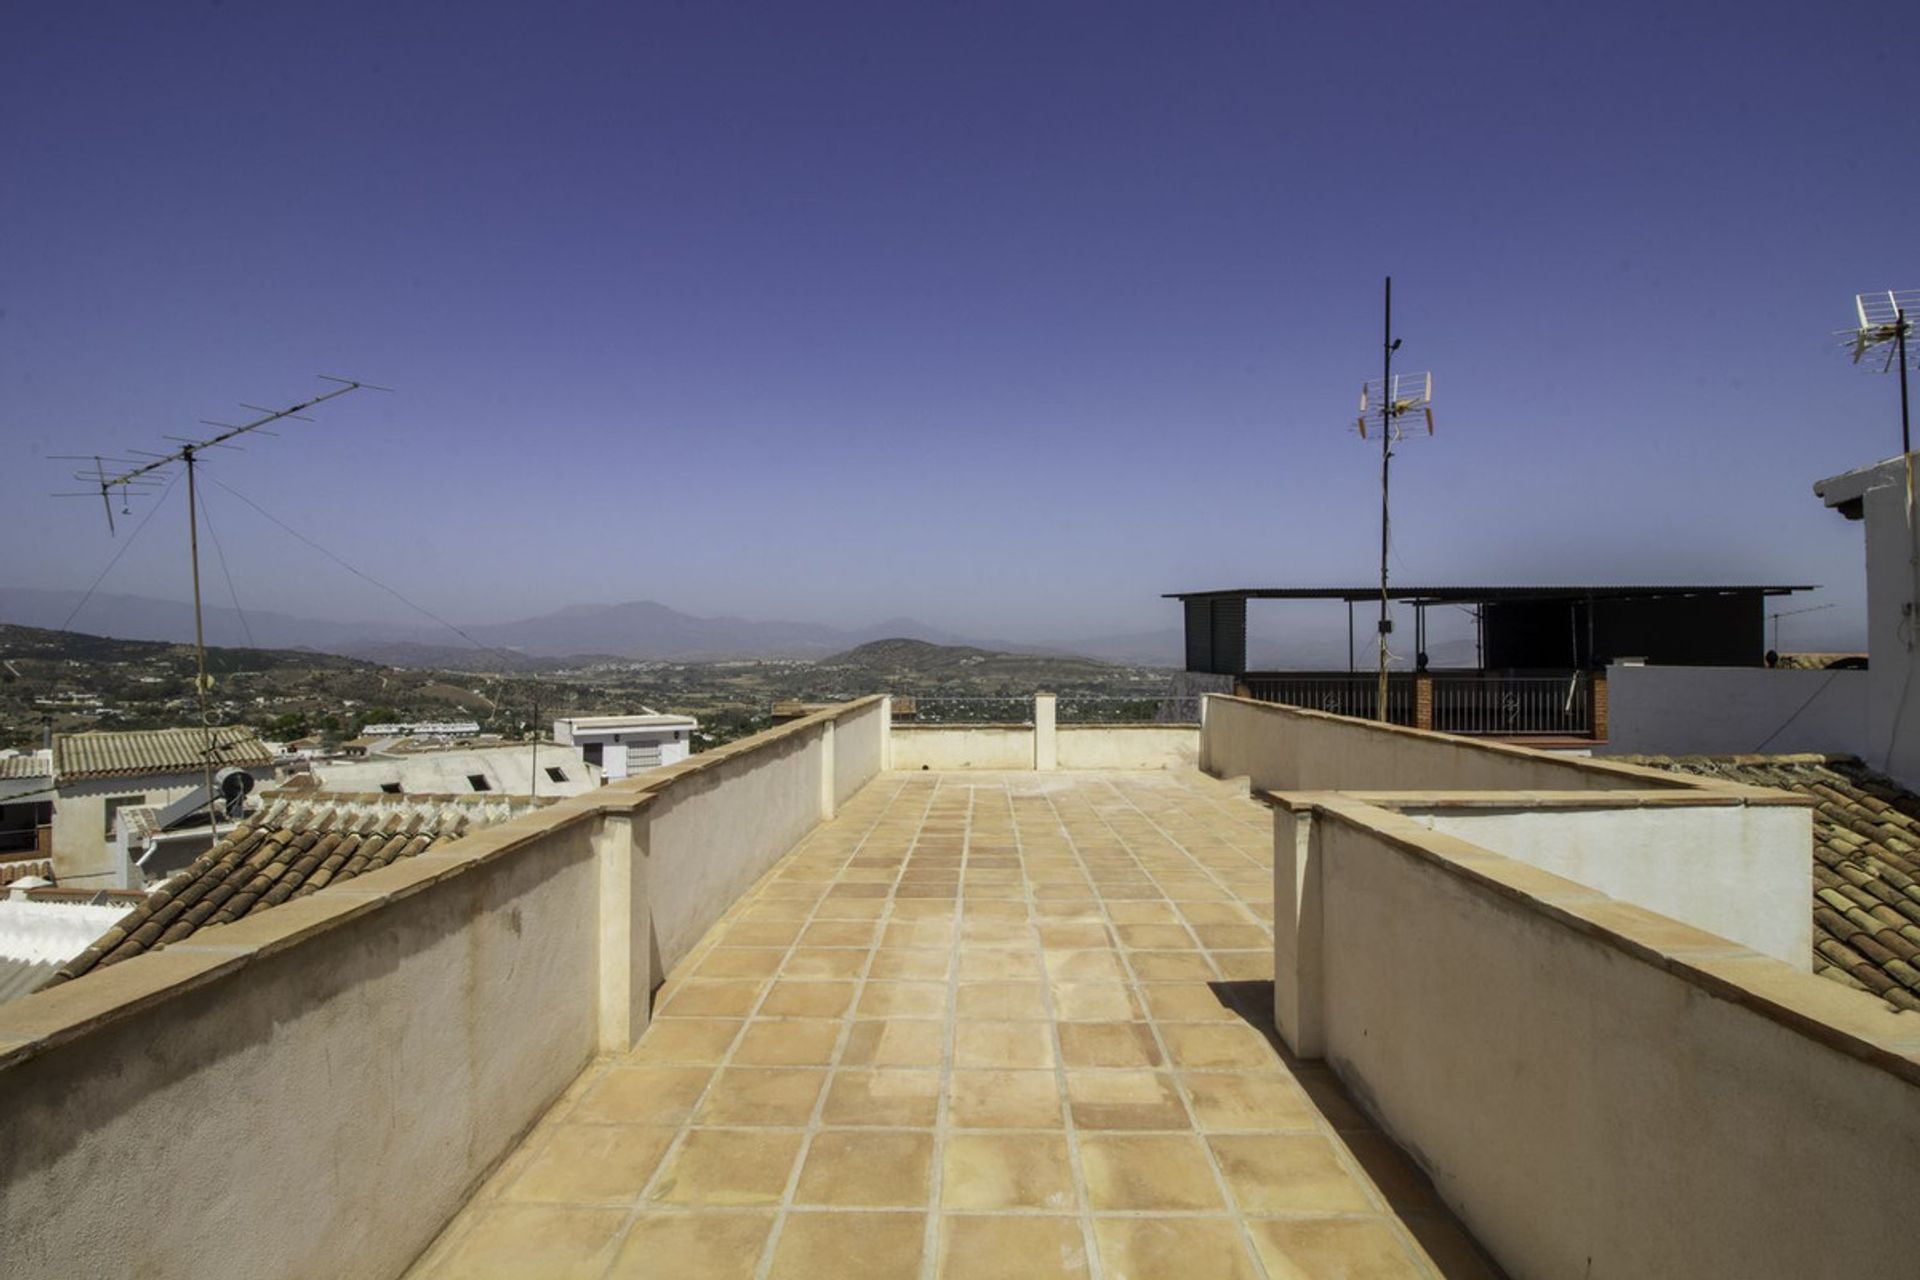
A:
(144, 471)
(1395, 408)
(1884, 324)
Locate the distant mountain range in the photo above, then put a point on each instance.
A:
(637, 630)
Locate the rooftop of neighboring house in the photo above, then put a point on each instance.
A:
(1866, 863)
(295, 845)
(136, 753)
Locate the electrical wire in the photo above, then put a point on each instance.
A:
(124, 547)
(221, 552)
(366, 577)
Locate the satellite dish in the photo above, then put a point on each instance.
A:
(235, 785)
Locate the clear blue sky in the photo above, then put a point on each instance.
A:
(1009, 317)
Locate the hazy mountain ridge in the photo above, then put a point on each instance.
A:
(637, 630)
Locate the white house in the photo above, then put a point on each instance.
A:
(624, 745)
(516, 769)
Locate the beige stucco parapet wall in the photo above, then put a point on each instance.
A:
(316, 1089)
(1597, 1088)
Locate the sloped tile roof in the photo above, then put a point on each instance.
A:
(11, 871)
(25, 765)
(118, 755)
(1866, 863)
(295, 846)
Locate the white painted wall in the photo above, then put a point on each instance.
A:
(962, 747)
(1744, 872)
(509, 770)
(1127, 746)
(1735, 710)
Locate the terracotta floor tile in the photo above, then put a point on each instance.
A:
(789, 999)
(1175, 1249)
(1143, 913)
(1234, 937)
(1287, 1173)
(644, 1095)
(762, 1096)
(1093, 1002)
(839, 933)
(703, 998)
(985, 908)
(761, 933)
(999, 935)
(913, 966)
(1171, 966)
(1155, 937)
(1084, 966)
(1314, 1248)
(1221, 1047)
(692, 1040)
(1186, 1002)
(1001, 1001)
(702, 1246)
(1007, 1171)
(593, 1164)
(1002, 1045)
(1004, 1100)
(1012, 1248)
(897, 1043)
(883, 1096)
(729, 1167)
(903, 1000)
(870, 1246)
(1244, 966)
(1198, 913)
(837, 908)
(1125, 1100)
(1108, 1044)
(936, 935)
(873, 1168)
(825, 962)
(788, 1042)
(1147, 1172)
(1257, 1103)
(510, 1241)
(999, 966)
(740, 962)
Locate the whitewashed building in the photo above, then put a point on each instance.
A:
(626, 745)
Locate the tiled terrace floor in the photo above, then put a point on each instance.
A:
(980, 1025)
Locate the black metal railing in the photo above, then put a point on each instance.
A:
(1507, 704)
(1340, 693)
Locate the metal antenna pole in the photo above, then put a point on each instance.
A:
(1386, 463)
(200, 639)
(1900, 338)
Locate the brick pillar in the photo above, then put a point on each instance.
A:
(1599, 687)
(1422, 700)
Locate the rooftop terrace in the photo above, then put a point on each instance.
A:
(977, 1025)
(847, 998)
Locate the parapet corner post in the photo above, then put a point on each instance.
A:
(1046, 746)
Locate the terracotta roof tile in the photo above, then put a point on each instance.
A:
(1866, 863)
(296, 845)
(117, 755)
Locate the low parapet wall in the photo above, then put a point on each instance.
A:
(1596, 1089)
(1280, 748)
(316, 1089)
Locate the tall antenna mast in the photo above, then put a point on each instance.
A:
(1884, 325)
(142, 473)
(1386, 407)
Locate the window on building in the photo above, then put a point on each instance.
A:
(478, 781)
(593, 752)
(556, 774)
(391, 788)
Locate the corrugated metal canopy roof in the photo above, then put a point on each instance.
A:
(1482, 594)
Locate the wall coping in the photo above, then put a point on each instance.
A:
(1649, 778)
(38, 1023)
(1723, 794)
(1807, 1005)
